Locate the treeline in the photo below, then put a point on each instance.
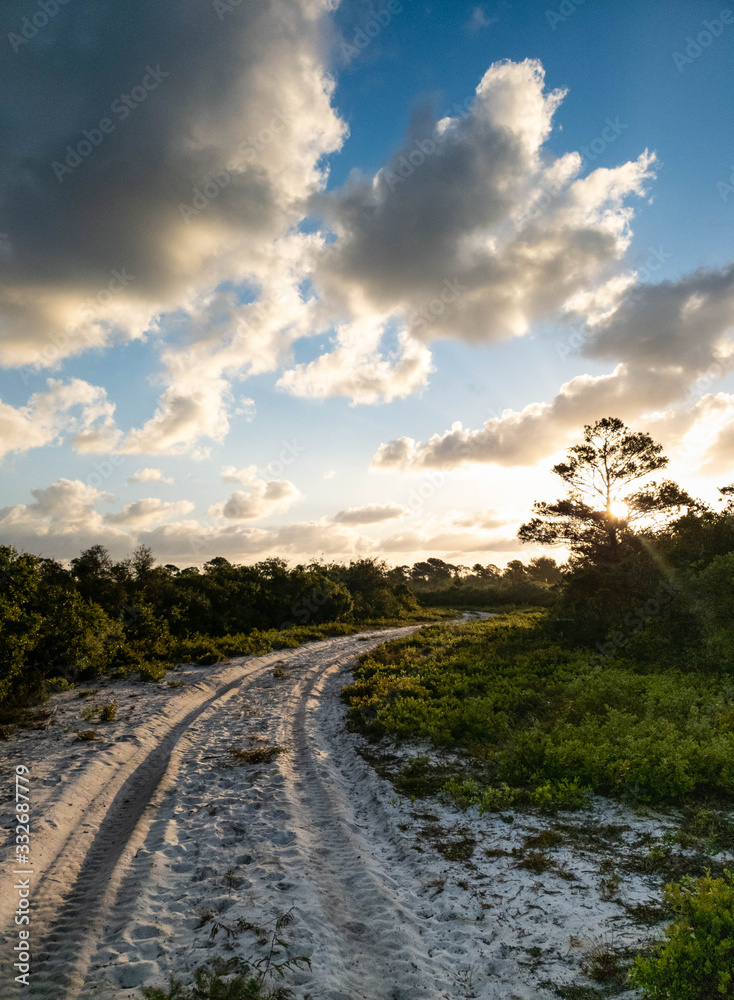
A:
(440, 584)
(97, 615)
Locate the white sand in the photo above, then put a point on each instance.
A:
(133, 835)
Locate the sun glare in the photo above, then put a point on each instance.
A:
(619, 509)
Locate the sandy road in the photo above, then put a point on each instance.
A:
(120, 847)
(155, 847)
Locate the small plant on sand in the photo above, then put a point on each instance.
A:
(105, 712)
(85, 735)
(249, 976)
(696, 962)
(231, 880)
(255, 755)
(603, 963)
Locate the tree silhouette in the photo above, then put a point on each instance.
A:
(599, 515)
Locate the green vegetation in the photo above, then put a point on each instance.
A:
(240, 978)
(104, 713)
(255, 755)
(61, 626)
(696, 962)
(622, 687)
(544, 724)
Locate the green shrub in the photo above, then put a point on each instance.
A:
(553, 796)
(498, 799)
(108, 711)
(696, 962)
(461, 792)
(543, 721)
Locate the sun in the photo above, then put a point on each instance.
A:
(619, 509)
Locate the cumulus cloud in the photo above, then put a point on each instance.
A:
(360, 369)
(64, 518)
(673, 336)
(65, 408)
(61, 520)
(523, 437)
(260, 499)
(684, 324)
(371, 513)
(473, 229)
(144, 512)
(148, 476)
(217, 132)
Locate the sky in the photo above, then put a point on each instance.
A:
(312, 279)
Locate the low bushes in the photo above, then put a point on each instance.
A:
(696, 962)
(544, 721)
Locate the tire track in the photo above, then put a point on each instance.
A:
(78, 887)
(88, 893)
(374, 931)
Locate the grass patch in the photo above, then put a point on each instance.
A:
(104, 713)
(240, 978)
(255, 755)
(650, 913)
(544, 839)
(536, 862)
(12, 716)
(543, 723)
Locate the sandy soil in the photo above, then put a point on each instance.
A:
(153, 843)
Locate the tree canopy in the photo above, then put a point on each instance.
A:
(602, 508)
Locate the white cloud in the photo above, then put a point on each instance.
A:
(61, 521)
(208, 173)
(71, 408)
(360, 369)
(143, 512)
(371, 513)
(148, 476)
(474, 230)
(260, 499)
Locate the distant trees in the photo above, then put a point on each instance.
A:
(601, 509)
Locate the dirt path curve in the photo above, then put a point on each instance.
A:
(144, 831)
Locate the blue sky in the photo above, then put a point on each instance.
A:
(236, 340)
